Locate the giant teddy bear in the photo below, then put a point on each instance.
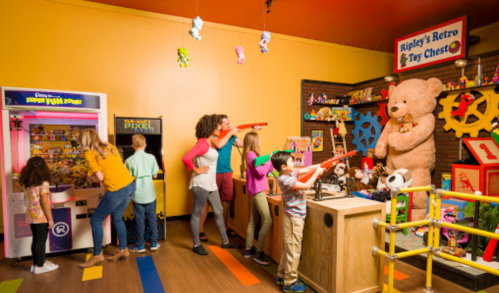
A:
(413, 150)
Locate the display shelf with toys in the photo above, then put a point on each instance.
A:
(473, 88)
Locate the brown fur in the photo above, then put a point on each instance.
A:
(407, 124)
(357, 186)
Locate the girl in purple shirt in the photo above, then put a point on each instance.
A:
(256, 183)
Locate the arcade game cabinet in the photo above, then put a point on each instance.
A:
(152, 129)
(46, 123)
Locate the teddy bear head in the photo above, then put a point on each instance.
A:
(414, 96)
(197, 23)
(182, 52)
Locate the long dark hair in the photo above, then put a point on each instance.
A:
(35, 173)
(207, 125)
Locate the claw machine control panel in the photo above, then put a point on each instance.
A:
(46, 123)
(152, 130)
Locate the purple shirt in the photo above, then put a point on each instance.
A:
(256, 177)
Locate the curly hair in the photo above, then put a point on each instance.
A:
(35, 173)
(207, 125)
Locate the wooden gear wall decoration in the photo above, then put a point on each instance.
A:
(488, 95)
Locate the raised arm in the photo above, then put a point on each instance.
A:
(220, 143)
(310, 182)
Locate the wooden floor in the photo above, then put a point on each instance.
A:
(179, 269)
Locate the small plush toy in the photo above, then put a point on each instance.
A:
(407, 124)
(342, 128)
(357, 175)
(495, 79)
(340, 171)
(324, 98)
(197, 25)
(367, 162)
(400, 178)
(463, 82)
(264, 41)
(466, 101)
(240, 55)
(183, 58)
(339, 150)
(311, 99)
(451, 86)
(379, 176)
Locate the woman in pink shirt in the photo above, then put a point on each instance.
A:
(203, 181)
(256, 183)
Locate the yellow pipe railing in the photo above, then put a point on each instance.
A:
(471, 196)
(415, 189)
(412, 252)
(468, 263)
(391, 250)
(471, 230)
(429, 257)
(414, 224)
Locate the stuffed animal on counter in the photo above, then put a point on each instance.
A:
(367, 163)
(357, 175)
(414, 150)
(240, 55)
(264, 41)
(183, 58)
(466, 101)
(400, 178)
(379, 177)
(197, 25)
(407, 124)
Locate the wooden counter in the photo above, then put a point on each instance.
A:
(337, 240)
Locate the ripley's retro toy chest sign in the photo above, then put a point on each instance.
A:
(436, 44)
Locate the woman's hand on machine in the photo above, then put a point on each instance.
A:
(201, 170)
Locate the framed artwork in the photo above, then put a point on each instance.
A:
(317, 140)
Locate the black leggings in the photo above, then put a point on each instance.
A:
(40, 233)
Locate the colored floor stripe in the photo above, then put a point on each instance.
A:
(151, 283)
(385, 289)
(10, 286)
(241, 273)
(92, 273)
(1, 251)
(397, 275)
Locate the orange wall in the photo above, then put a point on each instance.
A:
(131, 56)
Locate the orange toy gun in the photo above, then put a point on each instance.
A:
(328, 164)
(244, 126)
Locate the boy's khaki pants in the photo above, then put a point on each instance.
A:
(292, 236)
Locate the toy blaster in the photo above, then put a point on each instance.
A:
(264, 159)
(244, 126)
(328, 164)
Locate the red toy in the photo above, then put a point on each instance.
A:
(244, 126)
(491, 248)
(466, 101)
(327, 164)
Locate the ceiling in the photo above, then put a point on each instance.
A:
(368, 24)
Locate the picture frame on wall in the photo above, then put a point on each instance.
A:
(317, 137)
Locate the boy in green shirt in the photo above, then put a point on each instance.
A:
(144, 168)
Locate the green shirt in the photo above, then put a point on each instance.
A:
(143, 166)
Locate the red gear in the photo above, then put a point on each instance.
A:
(466, 101)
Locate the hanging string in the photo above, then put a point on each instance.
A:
(197, 8)
(263, 12)
(183, 15)
(240, 23)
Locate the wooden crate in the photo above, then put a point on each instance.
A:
(337, 258)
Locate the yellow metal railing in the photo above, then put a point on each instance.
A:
(434, 224)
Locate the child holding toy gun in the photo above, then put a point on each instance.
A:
(295, 211)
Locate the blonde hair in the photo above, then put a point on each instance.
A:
(251, 143)
(90, 141)
(138, 140)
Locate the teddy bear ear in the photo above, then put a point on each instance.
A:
(391, 88)
(435, 86)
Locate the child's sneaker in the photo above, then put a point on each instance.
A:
(279, 280)
(47, 267)
(231, 244)
(296, 287)
(260, 258)
(155, 246)
(249, 252)
(136, 248)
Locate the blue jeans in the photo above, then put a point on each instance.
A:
(149, 211)
(114, 204)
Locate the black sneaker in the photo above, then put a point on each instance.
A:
(199, 250)
(260, 258)
(231, 245)
(249, 252)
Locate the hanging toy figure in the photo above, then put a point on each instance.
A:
(342, 128)
(336, 129)
(240, 55)
(182, 57)
(466, 101)
(263, 42)
(197, 25)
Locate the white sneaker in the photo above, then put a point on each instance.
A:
(32, 268)
(47, 267)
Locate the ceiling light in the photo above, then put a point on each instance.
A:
(461, 63)
(390, 78)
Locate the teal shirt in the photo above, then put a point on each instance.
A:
(223, 161)
(143, 166)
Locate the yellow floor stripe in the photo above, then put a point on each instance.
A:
(92, 273)
(385, 289)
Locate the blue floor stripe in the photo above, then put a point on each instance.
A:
(151, 283)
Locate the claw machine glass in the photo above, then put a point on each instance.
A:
(46, 123)
(152, 129)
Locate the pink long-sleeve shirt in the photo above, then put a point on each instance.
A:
(256, 177)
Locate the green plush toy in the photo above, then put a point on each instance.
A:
(183, 59)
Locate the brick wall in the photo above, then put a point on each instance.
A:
(447, 145)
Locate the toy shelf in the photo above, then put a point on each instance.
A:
(337, 105)
(33, 140)
(474, 88)
(325, 121)
(367, 103)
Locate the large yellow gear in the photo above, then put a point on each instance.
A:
(483, 120)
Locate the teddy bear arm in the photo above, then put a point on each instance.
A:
(381, 149)
(409, 140)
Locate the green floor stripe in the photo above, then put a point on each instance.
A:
(10, 286)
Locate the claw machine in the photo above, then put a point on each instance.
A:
(152, 130)
(46, 123)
